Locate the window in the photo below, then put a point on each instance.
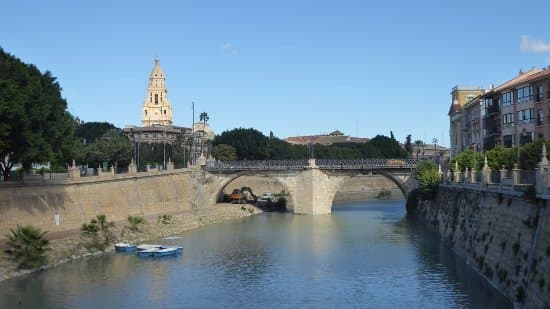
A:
(156, 98)
(526, 116)
(540, 93)
(507, 140)
(525, 94)
(165, 112)
(150, 98)
(508, 118)
(487, 105)
(145, 112)
(161, 97)
(540, 119)
(507, 99)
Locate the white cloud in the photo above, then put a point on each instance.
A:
(535, 46)
(229, 49)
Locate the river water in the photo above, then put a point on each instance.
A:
(362, 255)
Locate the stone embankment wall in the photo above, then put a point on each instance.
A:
(505, 238)
(361, 188)
(147, 194)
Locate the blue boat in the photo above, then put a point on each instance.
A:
(148, 252)
(148, 247)
(124, 247)
(165, 251)
(179, 250)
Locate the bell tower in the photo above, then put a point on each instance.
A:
(156, 107)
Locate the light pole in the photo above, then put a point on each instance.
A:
(192, 156)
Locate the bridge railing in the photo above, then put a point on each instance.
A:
(284, 165)
(365, 164)
(256, 165)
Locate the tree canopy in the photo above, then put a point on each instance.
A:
(91, 131)
(251, 144)
(35, 125)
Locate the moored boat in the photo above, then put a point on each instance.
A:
(179, 250)
(148, 247)
(148, 252)
(125, 247)
(165, 251)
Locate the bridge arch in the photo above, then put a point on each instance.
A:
(403, 182)
(229, 179)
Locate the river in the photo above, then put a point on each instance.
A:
(364, 254)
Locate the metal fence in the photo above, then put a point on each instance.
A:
(256, 165)
(366, 164)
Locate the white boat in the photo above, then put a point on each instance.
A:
(179, 250)
(165, 251)
(125, 247)
(148, 247)
(148, 252)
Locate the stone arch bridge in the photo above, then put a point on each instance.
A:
(312, 184)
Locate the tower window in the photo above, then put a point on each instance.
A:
(145, 112)
(165, 112)
(150, 98)
(156, 98)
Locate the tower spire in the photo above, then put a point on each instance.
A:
(156, 106)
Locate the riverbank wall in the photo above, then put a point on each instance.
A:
(72, 245)
(61, 207)
(506, 238)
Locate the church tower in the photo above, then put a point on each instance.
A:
(156, 107)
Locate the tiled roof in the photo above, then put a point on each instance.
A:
(529, 76)
(324, 139)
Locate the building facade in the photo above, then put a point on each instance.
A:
(461, 114)
(157, 126)
(513, 113)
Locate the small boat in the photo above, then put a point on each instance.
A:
(124, 247)
(148, 252)
(179, 250)
(148, 247)
(165, 251)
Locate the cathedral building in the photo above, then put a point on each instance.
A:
(157, 125)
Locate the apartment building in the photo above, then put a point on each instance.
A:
(515, 112)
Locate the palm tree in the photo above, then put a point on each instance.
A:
(204, 117)
(28, 245)
(135, 222)
(418, 143)
(98, 226)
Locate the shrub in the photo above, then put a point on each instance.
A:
(135, 223)
(99, 232)
(164, 219)
(28, 246)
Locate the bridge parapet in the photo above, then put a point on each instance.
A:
(256, 165)
(285, 165)
(366, 164)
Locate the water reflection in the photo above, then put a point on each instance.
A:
(364, 254)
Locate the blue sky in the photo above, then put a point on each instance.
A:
(292, 67)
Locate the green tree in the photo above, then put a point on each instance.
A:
(204, 117)
(408, 145)
(530, 154)
(427, 174)
(224, 152)
(113, 147)
(388, 147)
(250, 143)
(28, 246)
(35, 125)
(498, 156)
(468, 159)
(91, 131)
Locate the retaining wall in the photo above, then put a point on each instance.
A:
(505, 238)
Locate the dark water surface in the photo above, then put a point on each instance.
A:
(362, 255)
